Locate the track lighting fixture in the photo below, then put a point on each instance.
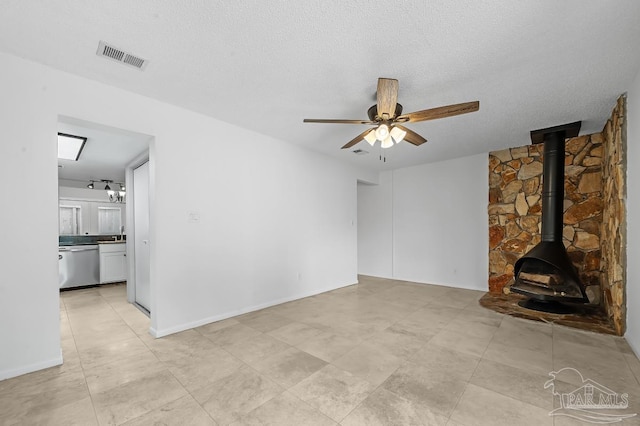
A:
(114, 196)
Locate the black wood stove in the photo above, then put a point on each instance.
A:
(545, 274)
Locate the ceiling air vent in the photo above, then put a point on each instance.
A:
(121, 56)
(360, 152)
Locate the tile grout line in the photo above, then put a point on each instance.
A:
(466, 386)
(84, 375)
(222, 378)
(404, 361)
(142, 341)
(168, 369)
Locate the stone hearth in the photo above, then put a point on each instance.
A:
(589, 318)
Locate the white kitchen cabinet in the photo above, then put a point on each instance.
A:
(113, 262)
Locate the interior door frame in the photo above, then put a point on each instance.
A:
(131, 227)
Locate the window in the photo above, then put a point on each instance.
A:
(109, 220)
(70, 220)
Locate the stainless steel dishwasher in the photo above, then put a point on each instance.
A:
(78, 265)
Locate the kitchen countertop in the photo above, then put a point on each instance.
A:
(90, 243)
(79, 240)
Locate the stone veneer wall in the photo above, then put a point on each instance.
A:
(614, 266)
(515, 209)
(594, 230)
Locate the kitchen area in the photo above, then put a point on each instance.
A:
(86, 260)
(96, 166)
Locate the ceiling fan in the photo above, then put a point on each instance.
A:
(387, 115)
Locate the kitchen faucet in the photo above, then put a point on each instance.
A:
(121, 237)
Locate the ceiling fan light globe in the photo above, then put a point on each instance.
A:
(371, 137)
(382, 132)
(397, 134)
(387, 142)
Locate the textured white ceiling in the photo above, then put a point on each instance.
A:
(266, 65)
(105, 154)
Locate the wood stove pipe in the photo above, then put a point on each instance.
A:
(553, 186)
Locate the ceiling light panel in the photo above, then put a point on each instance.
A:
(70, 146)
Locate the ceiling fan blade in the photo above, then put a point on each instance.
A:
(387, 96)
(411, 136)
(355, 140)
(321, 120)
(440, 112)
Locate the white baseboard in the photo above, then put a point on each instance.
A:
(14, 372)
(186, 326)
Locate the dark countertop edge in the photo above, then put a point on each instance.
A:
(83, 240)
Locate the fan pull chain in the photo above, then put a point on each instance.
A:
(380, 156)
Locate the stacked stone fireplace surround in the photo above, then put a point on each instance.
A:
(594, 227)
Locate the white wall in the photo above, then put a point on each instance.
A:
(276, 222)
(68, 192)
(29, 293)
(438, 228)
(633, 216)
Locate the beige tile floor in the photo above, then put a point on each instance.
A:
(382, 352)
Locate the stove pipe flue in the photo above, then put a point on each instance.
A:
(553, 186)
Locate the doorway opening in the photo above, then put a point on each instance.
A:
(99, 186)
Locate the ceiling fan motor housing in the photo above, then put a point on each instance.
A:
(372, 113)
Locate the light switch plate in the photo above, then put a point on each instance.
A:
(194, 217)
